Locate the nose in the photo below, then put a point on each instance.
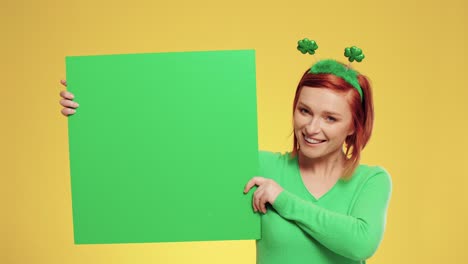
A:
(313, 127)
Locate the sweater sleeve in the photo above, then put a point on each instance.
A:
(356, 235)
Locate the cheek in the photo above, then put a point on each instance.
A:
(295, 121)
(299, 121)
(297, 125)
(341, 133)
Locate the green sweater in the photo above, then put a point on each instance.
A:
(345, 225)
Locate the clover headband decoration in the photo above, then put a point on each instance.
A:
(334, 67)
(307, 46)
(354, 54)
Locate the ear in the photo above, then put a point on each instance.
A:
(351, 130)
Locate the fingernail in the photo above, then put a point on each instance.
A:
(77, 104)
(73, 111)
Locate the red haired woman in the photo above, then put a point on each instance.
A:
(318, 204)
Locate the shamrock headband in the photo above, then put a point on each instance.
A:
(334, 67)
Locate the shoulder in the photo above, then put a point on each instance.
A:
(370, 170)
(268, 156)
(273, 162)
(373, 176)
(273, 158)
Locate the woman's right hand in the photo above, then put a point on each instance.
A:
(67, 101)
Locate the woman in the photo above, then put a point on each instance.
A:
(318, 204)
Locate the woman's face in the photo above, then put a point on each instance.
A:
(322, 121)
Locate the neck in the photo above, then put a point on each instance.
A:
(327, 168)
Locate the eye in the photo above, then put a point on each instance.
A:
(303, 110)
(331, 119)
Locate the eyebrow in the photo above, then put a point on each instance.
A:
(325, 112)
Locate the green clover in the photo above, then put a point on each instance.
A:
(307, 46)
(354, 54)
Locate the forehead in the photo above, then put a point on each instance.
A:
(325, 100)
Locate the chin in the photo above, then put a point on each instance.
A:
(311, 154)
(315, 152)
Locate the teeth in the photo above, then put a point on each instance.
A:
(313, 141)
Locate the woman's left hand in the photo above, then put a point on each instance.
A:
(266, 192)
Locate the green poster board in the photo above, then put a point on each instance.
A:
(162, 146)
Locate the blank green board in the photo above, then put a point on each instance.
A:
(162, 146)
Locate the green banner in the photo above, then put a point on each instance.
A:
(162, 146)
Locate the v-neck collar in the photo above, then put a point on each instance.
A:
(304, 187)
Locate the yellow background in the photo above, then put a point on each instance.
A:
(416, 59)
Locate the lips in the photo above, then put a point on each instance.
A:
(313, 141)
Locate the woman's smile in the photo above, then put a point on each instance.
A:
(313, 141)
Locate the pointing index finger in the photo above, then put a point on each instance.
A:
(254, 181)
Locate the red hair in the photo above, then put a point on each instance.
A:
(362, 112)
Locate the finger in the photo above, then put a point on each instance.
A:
(63, 82)
(254, 181)
(260, 199)
(257, 199)
(69, 103)
(67, 95)
(254, 206)
(249, 185)
(263, 203)
(68, 111)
